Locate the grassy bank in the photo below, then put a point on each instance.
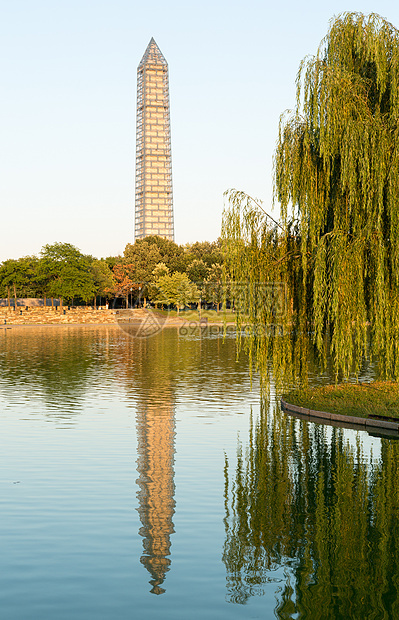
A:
(361, 399)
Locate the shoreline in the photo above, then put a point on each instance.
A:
(90, 316)
(24, 325)
(182, 323)
(326, 417)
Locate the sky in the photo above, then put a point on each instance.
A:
(68, 109)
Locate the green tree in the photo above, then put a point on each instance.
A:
(159, 271)
(210, 252)
(104, 280)
(172, 254)
(337, 178)
(175, 289)
(145, 254)
(112, 261)
(142, 258)
(66, 272)
(19, 277)
(214, 289)
(197, 271)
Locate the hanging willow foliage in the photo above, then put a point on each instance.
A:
(336, 249)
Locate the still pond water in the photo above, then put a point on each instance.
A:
(141, 478)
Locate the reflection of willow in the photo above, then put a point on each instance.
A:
(304, 500)
(150, 368)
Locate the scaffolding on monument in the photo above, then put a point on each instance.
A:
(154, 193)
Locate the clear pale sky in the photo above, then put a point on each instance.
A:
(68, 108)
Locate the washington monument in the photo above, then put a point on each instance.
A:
(154, 197)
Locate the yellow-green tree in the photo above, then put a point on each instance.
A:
(175, 289)
(336, 248)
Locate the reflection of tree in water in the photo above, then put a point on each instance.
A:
(55, 364)
(304, 501)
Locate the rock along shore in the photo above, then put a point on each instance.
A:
(86, 316)
(47, 316)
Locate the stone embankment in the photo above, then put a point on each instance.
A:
(47, 316)
(322, 416)
(85, 316)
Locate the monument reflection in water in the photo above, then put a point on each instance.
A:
(316, 514)
(152, 384)
(155, 432)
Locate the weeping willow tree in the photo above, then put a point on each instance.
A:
(336, 247)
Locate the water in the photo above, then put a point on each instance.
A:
(141, 479)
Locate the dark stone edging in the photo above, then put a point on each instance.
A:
(366, 422)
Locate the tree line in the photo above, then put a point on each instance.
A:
(153, 268)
